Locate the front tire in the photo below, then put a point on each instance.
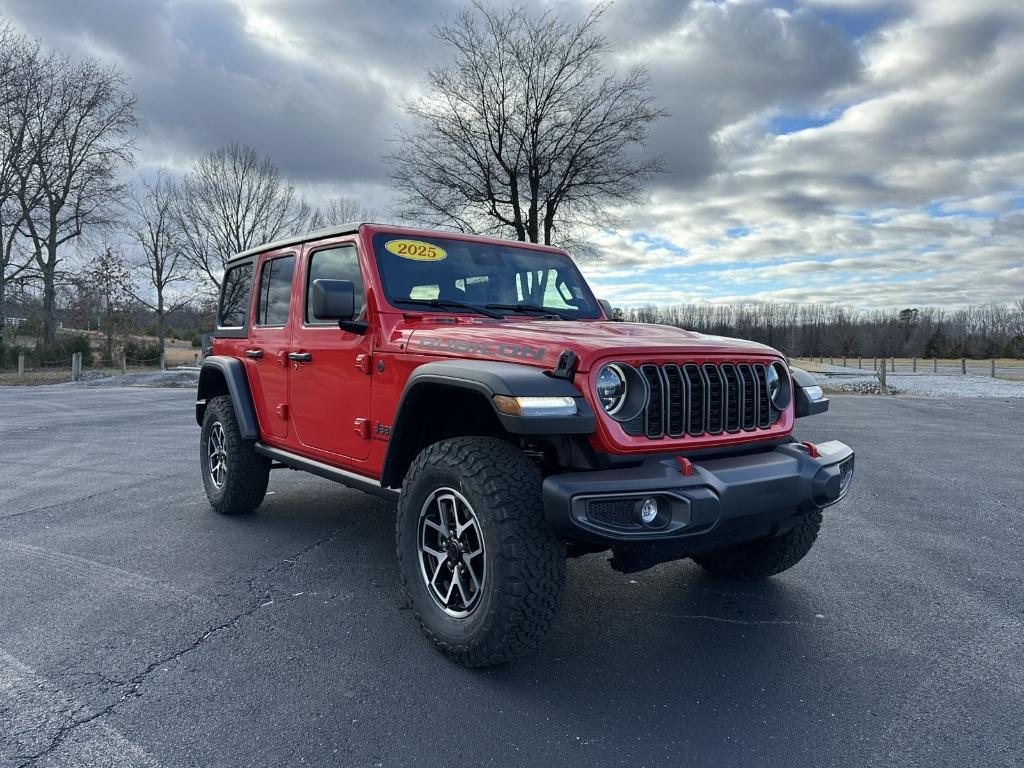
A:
(480, 567)
(234, 475)
(760, 559)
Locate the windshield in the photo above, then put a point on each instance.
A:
(445, 271)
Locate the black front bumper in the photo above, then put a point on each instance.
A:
(725, 500)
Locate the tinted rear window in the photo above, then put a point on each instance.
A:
(234, 301)
(275, 291)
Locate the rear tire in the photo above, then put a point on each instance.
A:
(760, 559)
(234, 475)
(503, 571)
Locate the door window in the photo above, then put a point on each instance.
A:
(275, 291)
(234, 298)
(340, 263)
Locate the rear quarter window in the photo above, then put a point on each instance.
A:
(236, 294)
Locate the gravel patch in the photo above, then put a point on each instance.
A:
(923, 384)
(182, 377)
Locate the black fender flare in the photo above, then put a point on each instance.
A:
(488, 378)
(222, 375)
(804, 405)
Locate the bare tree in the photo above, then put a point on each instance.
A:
(526, 132)
(340, 210)
(18, 64)
(79, 120)
(152, 226)
(231, 200)
(108, 278)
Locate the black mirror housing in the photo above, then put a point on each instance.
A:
(333, 300)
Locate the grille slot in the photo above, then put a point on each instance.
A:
(716, 396)
(654, 425)
(690, 399)
(732, 397)
(763, 403)
(677, 399)
(697, 400)
(748, 396)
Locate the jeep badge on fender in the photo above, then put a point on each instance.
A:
(513, 423)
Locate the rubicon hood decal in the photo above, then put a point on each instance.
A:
(480, 347)
(540, 342)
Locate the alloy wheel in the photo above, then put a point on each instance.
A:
(451, 552)
(217, 455)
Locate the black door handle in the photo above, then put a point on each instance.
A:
(255, 354)
(300, 357)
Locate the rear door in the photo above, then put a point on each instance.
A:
(267, 351)
(330, 394)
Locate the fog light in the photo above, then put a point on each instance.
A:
(648, 511)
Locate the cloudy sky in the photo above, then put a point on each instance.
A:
(866, 153)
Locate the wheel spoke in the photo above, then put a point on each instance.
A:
(451, 588)
(457, 580)
(433, 579)
(445, 519)
(431, 524)
(442, 556)
(472, 575)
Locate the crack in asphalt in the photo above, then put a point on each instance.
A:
(137, 681)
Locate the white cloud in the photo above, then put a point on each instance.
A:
(910, 192)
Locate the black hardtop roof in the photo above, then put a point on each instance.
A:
(317, 234)
(352, 228)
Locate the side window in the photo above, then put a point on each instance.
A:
(275, 291)
(234, 298)
(341, 263)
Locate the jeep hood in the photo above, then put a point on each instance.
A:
(540, 342)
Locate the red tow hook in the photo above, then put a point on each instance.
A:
(812, 449)
(685, 466)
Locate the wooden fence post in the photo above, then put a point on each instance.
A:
(874, 363)
(124, 362)
(859, 362)
(963, 365)
(935, 365)
(881, 380)
(163, 362)
(844, 361)
(21, 363)
(892, 364)
(915, 364)
(75, 357)
(993, 367)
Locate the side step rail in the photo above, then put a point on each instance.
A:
(352, 480)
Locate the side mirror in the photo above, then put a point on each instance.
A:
(333, 300)
(607, 307)
(336, 300)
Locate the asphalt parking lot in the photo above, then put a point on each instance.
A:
(139, 628)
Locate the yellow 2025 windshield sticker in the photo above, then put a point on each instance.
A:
(417, 250)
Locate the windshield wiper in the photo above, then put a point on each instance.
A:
(451, 303)
(536, 308)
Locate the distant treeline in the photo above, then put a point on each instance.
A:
(994, 330)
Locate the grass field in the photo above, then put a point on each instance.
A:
(1007, 368)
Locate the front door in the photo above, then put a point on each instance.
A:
(267, 348)
(330, 394)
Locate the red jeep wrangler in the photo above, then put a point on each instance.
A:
(480, 384)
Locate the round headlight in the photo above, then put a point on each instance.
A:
(621, 390)
(611, 388)
(779, 388)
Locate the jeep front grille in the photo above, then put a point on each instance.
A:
(688, 399)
